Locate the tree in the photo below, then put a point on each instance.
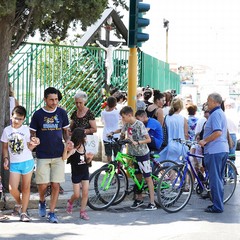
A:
(22, 18)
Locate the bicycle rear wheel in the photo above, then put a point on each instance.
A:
(103, 188)
(230, 180)
(175, 188)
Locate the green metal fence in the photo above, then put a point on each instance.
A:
(157, 74)
(35, 67)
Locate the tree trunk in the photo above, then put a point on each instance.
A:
(5, 48)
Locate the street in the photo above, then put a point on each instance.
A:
(121, 222)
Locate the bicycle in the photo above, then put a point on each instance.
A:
(109, 185)
(175, 186)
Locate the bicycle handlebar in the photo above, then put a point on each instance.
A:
(189, 143)
(119, 141)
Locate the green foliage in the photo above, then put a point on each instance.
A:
(52, 17)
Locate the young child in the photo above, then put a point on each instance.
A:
(76, 154)
(110, 118)
(197, 149)
(16, 148)
(138, 134)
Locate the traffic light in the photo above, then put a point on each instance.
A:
(136, 23)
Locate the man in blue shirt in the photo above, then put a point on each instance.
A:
(50, 124)
(215, 150)
(154, 128)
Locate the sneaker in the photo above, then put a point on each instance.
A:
(83, 215)
(136, 204)
(16, 210)
(24, 217)
(52, 218)
(42, 209)
(151, 207)
(69, 207)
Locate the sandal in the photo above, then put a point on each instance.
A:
(24, 217)
(3, 218)
(83, 215)
(16, 210)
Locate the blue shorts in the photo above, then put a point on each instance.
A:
(143, 165)
(22, 167)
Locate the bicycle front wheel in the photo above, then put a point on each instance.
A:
(175, 188)
(230, 180)
(103, 188)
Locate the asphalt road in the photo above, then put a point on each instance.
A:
(120, 222)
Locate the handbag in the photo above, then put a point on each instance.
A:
(165, 134)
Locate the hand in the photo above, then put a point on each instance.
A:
(70, 145)
(89, 157)
(202, 143)
(5, 164)
(34, 141)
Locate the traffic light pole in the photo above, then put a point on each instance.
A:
(132, 78)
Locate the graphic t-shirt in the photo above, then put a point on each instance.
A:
(48, 127)
(136, 132)
(17, 139)
(78, 163)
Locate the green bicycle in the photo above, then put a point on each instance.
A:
(109, 185)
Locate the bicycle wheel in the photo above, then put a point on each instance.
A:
(230, 180)
(103, 188)
(175, 188)
(123, 188)
(156, 176)
(164, 163)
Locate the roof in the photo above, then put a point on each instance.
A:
(94, 28)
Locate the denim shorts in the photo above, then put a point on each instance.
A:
(22, 167)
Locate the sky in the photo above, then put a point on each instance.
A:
(201, 32)
(205, 32)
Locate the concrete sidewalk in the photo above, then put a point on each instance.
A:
(67, 187)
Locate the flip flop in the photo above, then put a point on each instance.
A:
(3, 218)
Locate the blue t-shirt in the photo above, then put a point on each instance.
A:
(155, 132)
(48, 127)
(216, 122)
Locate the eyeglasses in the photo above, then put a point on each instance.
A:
(18, 119)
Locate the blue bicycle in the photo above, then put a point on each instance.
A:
(176, 185)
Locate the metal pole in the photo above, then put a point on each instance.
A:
(132, 78)
(167, 45)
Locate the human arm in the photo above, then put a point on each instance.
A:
(93, 127)
(34, 141)
(210, 138)
(66, 136)
(186, 129)
(68, 150)
(160, 116)
(89, 157)
(5, 155)
(146, 140)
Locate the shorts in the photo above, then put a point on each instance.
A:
(78, 178)
(143, 165)
(111, 149)
(22, 168)
(50, 170)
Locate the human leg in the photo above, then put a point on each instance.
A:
(26, 183)
(85, 187)
(42, 180)
(75, 195)
(27, 170)
(57, 175)
(14, 179)
(215, 165)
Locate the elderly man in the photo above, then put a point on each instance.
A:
(215, 150)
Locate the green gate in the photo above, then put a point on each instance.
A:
(35, 67)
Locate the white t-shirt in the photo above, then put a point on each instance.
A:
(17, 140)
(110, 121)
